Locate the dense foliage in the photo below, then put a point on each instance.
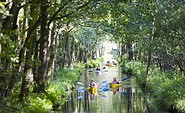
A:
(164, 90)
(40, 38)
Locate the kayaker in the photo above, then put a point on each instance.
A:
(98, 68)
(115, 81)
(92, 89)
(107, 63)
(92, 83)
(114, 63)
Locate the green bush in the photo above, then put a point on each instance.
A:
(132, 67)
(123, 61)
(67, 75)
(166, 89)
(55, 94)
(94, 63)
(39, 103)
(180, 104)
(136, 69)
(55, 91)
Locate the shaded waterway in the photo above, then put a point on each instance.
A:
(127, 100)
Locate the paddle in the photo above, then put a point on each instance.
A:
(80, 97)
(105, 89)
(124, 93)
(103, 96)
(79, 83)
(80, 88)
(104, 81)
(123, 79)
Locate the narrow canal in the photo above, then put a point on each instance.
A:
(128, 99)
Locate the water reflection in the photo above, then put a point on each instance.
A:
(125, 99)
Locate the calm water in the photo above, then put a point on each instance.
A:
(127, 100)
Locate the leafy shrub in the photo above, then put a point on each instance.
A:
(180, 104)
(135, 68)
(138, 69)
(123, 61)
(38, 104)
(132, 67)
(166, 89)
(79, 67)
(55, 91)
(67, 75)
(94, 63)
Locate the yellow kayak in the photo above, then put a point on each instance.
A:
(112, 85)
(92, 90)
(110, 65)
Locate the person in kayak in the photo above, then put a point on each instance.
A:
(114, 63)
(98, 68)
(92, 89)
(92, 83)
(115, 81)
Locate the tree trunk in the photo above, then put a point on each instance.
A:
(68, 50)
(52, 49)
(85, 56)
(71, 52)
(80, 55)
(10, 22)
(30, 48)
(44, 51)
(35, 63)
(130, 51)
(122, 51)
(148, 61)
(7, 72)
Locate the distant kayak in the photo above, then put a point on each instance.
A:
(110, 65)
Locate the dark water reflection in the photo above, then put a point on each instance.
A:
(127, 100)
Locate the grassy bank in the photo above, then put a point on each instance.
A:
(165, 90)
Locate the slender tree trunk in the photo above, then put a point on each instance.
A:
(79, 53)
(8, 67)
(44, 43)
(130, 51)
(149, 61)
(66, 44)
(150, 49)
(10, 22)
(85, 56)
(68, 50)
(56, 44)
(35, 62)
(76, 51)
(30, 48)
(52, 49)
(71, 52)
(122, 51)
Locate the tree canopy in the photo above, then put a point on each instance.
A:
(38, 36)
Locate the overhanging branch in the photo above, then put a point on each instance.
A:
(54, 17)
